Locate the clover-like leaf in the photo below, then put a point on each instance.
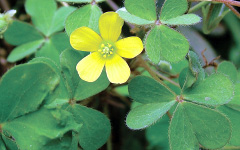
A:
(228, 69)
(20, 33)
(125, 15)
(145, 115)
(24, 50)
(172, 9)
(193, 124)
(146, 90)
(216, 89)
(164, 43)
(187, 19)
(96, 126)
(42, 129)
(145, 9)
(42, 13)
(29, 84)
(85, 16)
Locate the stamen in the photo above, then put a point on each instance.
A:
(106, 49)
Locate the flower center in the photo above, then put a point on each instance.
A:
(106, 49)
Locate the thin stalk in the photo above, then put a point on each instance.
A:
(233, 10)
(166, 78)
(230, 2)
(109, 142)
(198, 6)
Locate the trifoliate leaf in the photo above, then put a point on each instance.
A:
(188, 19)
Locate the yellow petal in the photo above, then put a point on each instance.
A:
(117, 69)
(90, 67)
(85, 39)
(110, 26)
(129, 47)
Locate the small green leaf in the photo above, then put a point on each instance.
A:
(42, 13)
(2, 144)
(228, 69)
(125, 15)
(20, 33)
(145, 115)
(59, 18)
(10, 143)
(80, 89)
(193, 122)
(86, 16)
(145, 9)
(96, 126)
(80, 1)
(172, 9)
(24, 50)
(188, 19)
(181, 134)
(186, 79)
(232, 115)
(215, 90)
(163, 43)
(146, 90)
(43, 129)
(32, 84)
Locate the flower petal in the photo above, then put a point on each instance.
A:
(90, 67)
(117, 69)
(110, 26)
(85, 39)
(129, 47)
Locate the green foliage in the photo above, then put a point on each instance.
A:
(192, 124)
(80, 1)
(145, 9)
(86, 16)
(159, 44)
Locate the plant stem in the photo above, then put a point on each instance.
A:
(233, 10)
(198, 6)
(230, 2)
(152, 73)
(166, 78)
(109, 142)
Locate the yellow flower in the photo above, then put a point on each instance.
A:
(105, 50)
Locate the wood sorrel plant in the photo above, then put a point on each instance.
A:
(61, 97)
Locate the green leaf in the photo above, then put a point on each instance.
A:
(20, 33)
(10, 143)
(145, 9)
(59, 18)
(232, 115)
(193, 122)
(42, 13)
(181, 134)
(163, 43)
(157, 134)
(228, 69)
(125, 15)
(96, 127)
(235, 102)
(187, 19)
(186, 79)
(61, 94)
(172, 9)
(80, 89)
(80, 1)
(146, 90)
(145, 115)
(24, 50)
(54, 47)
(215, 90)
(32, 84)
(2, 144)
(85, 16)
(43, 129)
